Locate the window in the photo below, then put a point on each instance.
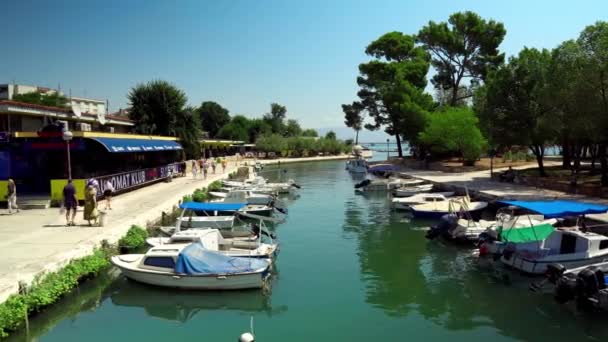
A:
(603, 244)
(165, 262)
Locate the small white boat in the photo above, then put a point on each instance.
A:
(407, 191)
(358, 165)
(438, 209)
(404, 203)
(241, 197)
(212, 240)
(238, 196)
(193, 267)
(571, 248)
(383, 184)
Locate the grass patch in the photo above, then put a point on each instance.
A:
(135, 238)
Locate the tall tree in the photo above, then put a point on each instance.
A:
(213, 117)
(464, 48)
(310, 132)
(293, 129)
(392, 87)
(515, 110)
(276, 117)
(594, 43)
(237, 129)
(331, 135)
(353, 118)
(158, 107)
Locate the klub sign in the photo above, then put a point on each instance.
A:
(127, 180)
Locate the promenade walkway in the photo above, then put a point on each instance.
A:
(35, 241)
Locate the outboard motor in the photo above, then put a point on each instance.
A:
(565, 288)
(590, 281)
(363, 183)
(447, 222)
(554, 272)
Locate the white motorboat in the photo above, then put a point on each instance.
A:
(237, 196)
(241, 197)
(570, 247)
(404, 203)
(407, 191)
(532, 248)
(467, 229)
(193, 267)
(438, 209)
(358, 165)
(383, 184)
(212, 240)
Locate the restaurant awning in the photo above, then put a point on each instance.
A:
(125, 145)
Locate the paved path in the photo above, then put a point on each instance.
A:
(34, 241)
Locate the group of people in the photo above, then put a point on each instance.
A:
(202, 166)
(91, 214)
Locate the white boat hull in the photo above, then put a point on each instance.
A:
(539, 266)
(200, 282)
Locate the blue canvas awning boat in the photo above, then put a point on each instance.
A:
(559, 208)
(196, 260)
(198, 206)
(381, 168)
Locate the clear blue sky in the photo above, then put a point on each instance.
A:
(243, 54)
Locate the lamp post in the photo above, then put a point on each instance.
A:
(388, 151)
(67, 137)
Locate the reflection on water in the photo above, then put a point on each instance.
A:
(405, 274)
(351, 269)
(181, 306)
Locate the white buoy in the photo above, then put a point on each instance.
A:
(246, 337)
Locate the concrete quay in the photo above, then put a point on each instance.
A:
(480, 185)
(37, 241)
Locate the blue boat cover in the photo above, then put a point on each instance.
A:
(196, 260)
(381, 168)
(125, 145)
(552, 209)
(211, 206)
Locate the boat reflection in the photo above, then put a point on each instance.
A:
(182, 306)
(406, 275)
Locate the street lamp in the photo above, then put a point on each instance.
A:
(388, 151)
(67, 137)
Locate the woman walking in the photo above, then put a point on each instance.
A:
(90, 203)
(11, 196)
(107, 193)
(194, 169)
(223, 165)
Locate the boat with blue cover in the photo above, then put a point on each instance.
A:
(193, 267)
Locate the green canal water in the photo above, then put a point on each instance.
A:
(350, 269)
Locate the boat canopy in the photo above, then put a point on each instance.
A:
(559, 208)
(526, 234)
(196, 260)
(212, 206)
(382, 168)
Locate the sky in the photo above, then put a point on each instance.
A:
(243, 54)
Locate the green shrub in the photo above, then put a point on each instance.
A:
(49, 288)
(135, 238)
(187, 198)
(200, 195)
(215, 186)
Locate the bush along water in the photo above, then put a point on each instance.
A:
(47, 289)
(134, 239)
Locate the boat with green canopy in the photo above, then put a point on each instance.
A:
(531, 249)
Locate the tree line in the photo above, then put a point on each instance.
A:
(483, 102)
(159, 107)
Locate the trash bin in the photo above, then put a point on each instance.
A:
(102, 218)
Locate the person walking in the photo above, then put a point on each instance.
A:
(70, 203)
(205, 168)
(194, 169)
(213, 165)
(90, 204)
(11, 196)
(107, 193)
(223, 165)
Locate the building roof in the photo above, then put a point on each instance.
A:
(22, 108)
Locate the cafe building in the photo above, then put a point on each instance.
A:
(40, 157)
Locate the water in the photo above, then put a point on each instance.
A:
(349, 269)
